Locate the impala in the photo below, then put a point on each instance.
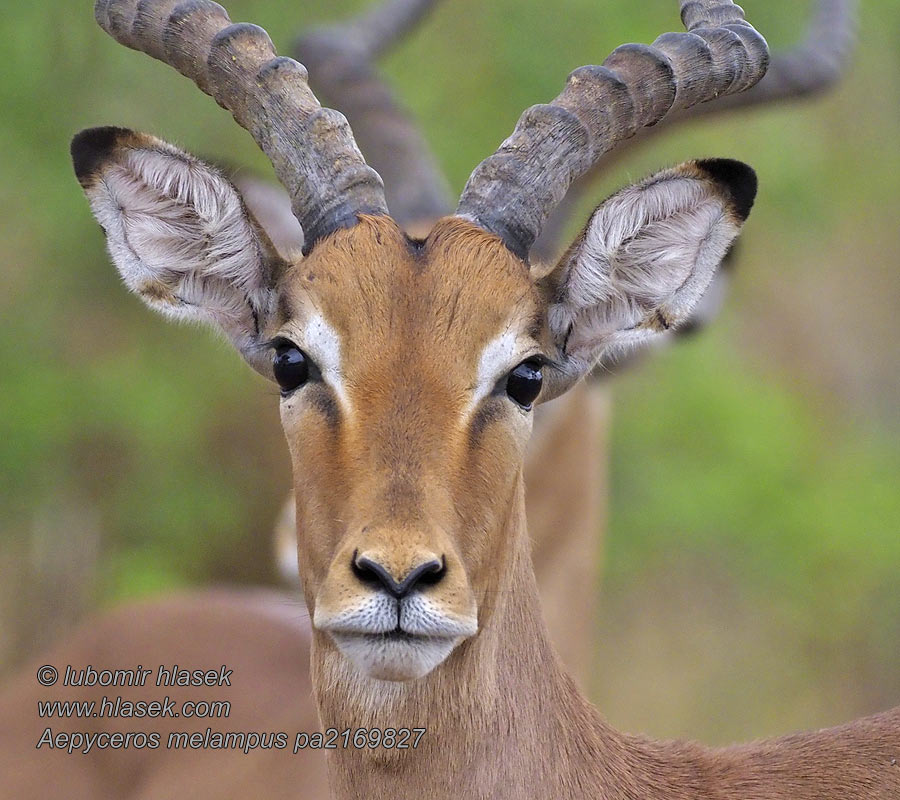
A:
(409, 369)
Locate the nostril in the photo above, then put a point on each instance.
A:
(364, 570)
(370, 572)
(433, 573)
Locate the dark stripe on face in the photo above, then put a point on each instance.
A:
(321, 398)
(490, 411)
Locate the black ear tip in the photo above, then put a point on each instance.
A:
(739, 179)
(91, 147)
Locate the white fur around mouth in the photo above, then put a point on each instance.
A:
(379, 614)
(396, 655)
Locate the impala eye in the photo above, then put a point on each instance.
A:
(524, 383)
(291, 366)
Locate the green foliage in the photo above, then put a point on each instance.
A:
(708, 459)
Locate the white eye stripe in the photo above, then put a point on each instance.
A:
(498, 357)
(323, 344)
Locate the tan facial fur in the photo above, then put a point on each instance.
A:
(407, 451)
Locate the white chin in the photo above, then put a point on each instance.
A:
(394, 659)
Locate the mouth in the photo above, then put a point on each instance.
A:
(395, 655)
(396, 635)
(391, 639)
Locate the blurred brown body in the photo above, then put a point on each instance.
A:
(262, 636)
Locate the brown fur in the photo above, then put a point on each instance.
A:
(403, 472)
(254, 635)
(565, 476)
(503, 720)
(407, 381)
(565, 503)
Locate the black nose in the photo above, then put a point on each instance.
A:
(427, 573)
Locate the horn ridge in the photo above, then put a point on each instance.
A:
(513, 191)
(311, 148)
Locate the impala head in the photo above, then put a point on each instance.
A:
(408, 368)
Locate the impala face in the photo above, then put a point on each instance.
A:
(408, 371)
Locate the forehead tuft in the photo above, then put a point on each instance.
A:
(454, 291)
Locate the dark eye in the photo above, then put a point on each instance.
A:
(291, 366)
(524, 383)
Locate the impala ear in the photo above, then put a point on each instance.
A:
(643, 262)
(180, 235)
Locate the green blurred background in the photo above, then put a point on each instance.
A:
(752, 572)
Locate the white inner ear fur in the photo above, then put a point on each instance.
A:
(178, 234)
(646, 257)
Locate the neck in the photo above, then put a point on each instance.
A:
(502, 718)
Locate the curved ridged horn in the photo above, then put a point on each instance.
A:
(311, 148)
(375, 30)
(512, 192)
(340, 59)
(811, 67)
